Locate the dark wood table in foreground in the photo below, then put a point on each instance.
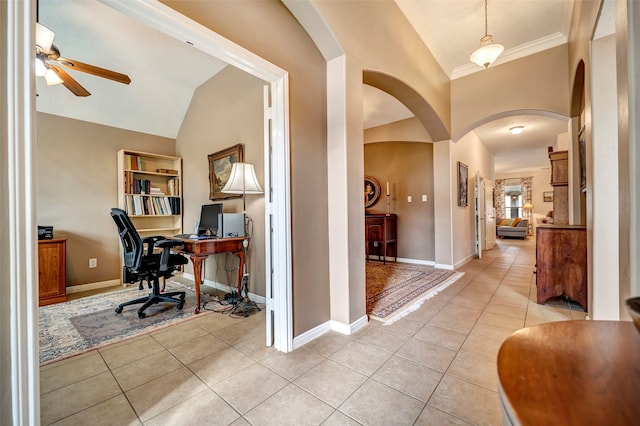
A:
(199, 250)
(571, 373)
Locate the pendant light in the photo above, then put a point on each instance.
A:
(489, 50)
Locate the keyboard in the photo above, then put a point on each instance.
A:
(199, 237)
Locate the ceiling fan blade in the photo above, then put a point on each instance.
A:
(91, 69)
(69, 82)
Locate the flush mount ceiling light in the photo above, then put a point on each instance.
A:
(516, 130)
(489, 50)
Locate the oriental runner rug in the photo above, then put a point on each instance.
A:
(395, 289)
(77, 326)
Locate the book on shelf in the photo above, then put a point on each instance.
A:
(173, 186)
(167, 171)
(140, 205)
(135, 162)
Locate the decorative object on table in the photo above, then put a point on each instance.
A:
(371, 191)
(242, 181)
(74, 327)
(463, 176)
(547, 196)
(388, 200)
(395, 290)
(220, 165)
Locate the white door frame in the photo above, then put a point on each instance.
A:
(489, 214)
(276, 172)
(478, 200)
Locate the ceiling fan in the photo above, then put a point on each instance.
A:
(48, 61)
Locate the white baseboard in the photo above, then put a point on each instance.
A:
(92, 286)
(463, 261)
(444, 266)
(416, 261)
(321, 329)
(310, 335)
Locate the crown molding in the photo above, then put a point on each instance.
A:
(544, 43)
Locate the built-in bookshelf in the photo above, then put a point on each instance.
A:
(150, 191)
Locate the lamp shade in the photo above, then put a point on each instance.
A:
(528, 206)
(487, 53)
(242, 180)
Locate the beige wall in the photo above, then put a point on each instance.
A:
(225, 111)
(77, 187)
(378, 37)
(269, 30)
(472, 152)
(409, 130)
(535, 82)
(408, 167)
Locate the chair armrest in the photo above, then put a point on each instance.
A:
(151, 243)
(168, 243)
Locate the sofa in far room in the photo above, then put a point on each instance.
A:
(512, 228)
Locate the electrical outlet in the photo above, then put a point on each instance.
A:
(93, 263)
(424, 198)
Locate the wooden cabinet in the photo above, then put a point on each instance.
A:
(381, 234)
(150, 191)
(561, 262)
(52, 271)
(560, 182)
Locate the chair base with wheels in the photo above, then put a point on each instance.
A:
(146, 265)
(153, 298)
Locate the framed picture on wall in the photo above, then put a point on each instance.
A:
(220, 164)
(547, 196)
(582, 147)
(371, 191)
(463, 178)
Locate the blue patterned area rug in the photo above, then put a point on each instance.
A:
(75, 327)
(396, 289)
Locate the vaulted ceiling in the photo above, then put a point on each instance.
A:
(165, 72)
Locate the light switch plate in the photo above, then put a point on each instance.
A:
(409, 199)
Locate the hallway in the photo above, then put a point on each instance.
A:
(436, 366)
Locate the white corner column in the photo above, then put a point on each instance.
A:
(345, 163)
(443, 204)
(19, 364)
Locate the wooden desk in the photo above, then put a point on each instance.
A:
(571, 373)
(199, 250)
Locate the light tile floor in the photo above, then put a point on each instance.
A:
(436, 366)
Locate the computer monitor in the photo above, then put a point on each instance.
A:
(209, 219)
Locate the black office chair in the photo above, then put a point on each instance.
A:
(141, 265)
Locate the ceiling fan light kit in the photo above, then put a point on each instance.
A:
(489, 50)
(48, 60)
(51, 78)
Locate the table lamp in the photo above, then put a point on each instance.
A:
(243, 180)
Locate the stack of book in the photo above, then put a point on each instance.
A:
(140, 205)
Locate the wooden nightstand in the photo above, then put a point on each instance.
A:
(52, 271)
